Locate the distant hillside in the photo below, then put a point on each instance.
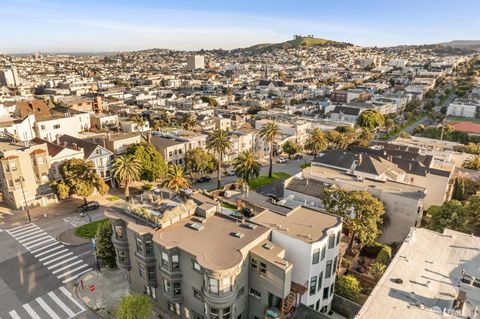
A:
(296, 43)
(470, 44)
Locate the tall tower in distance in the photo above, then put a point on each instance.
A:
(9, 76)
(195, 62)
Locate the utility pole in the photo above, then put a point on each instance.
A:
(25, 198)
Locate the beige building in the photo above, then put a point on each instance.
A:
(24, 178)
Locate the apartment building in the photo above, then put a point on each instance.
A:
(103, 121)
(24, 177)
(464, 107)
(70, 122)
(196, 261)
(195, 62)
(173, 144)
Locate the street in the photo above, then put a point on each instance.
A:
(38, 273)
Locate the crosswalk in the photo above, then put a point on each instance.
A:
(56, 304)
(58, 259)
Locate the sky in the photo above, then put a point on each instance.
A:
(119, 25)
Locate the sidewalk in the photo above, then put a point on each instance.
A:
(69, 238)
(110, 286)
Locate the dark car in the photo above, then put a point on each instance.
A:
(272, 196)
(204, 179)
(88, 206)
(298, 156)
(247, 212)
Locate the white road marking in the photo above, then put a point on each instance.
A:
(14, 314)
(25, 241)
(40, 243)
(21, 226)
(76, 276)
(72, 271)
(67, 266)
(47, 308)
(34, 232)
(61, 304)
(31, 312)
(69, 295)
(62, 262)
(58, 258)
(47, 251)
(53, 255)
(22, 232)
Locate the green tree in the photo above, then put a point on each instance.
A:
(316, 142)
(138, 120)
(134, 306)
(361, 212)
(189, 121)
(246, 165)
(175, 179)
(459, 189)
(126, 170)
(210, 100)
(153, 166)
(472, 163)
(198, 160)
(384, 255)
(377, 269)
(348, 287)
(270, 131)
(291, 148)
(364, 137)
(452, 214)
(79, 178)
(103, 239)
(370, 119)
(219, 142)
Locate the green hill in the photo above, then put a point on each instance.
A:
(295, 43)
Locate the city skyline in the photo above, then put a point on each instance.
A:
(53, 26)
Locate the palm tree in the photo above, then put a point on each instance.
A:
(126, 169)
(219, 142)
(345, 139)
(175, 179)
(270, 132)
(246, 165)
(189, 121)
(316, 142)
(472, 163)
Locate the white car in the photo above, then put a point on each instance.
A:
(282, 160)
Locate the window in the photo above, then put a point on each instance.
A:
(332, 287)
(316, 256)
(317, 304)
(320, 279)
(118, 231)
(253, 263)
(313, 285)
(263, 268)
(226, 284)
(328, 271)
(150, 291)
(42, 127)
(175, 264)
(170, 153)
(255, 293)
(334, 269)
(241, 292)
(165, 261)
(177, 289)
(214, 313)
(196, 266)
(227, 313)
(139, 246)
(122, 256)
(151, 273)
(41, 160)
(34, 162)
(213, 284)
(325, 293)
(324, 252)
(339, 234)
(197, 294)
(148, 247)
(56, 126)
(167, 286)
(177, 308)
(142, 271)
(331, 241)
(13, 167)
(171, 306)
(324, 309)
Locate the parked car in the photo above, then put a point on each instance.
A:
(298, 156)
(247, 212)
(204, 179)
(272, 196)
(281, 160)
(88, 207)
(230, 173)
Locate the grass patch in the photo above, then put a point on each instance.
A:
(228, 206)
(305, 165)
(462, 119)
(89, 230)
(265, 180)
(113, 198)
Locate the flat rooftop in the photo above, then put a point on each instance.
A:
(332, 175)
(430, 266)
(214, 246)
(302, 223)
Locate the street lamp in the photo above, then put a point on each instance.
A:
(25, 198)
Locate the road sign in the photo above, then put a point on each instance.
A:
(92, 288)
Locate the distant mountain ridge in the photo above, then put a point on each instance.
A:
(462, 43)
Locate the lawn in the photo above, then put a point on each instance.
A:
(305, 165)
(89, 230)
(113, 198)
(265, 180)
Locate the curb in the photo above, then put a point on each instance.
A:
(75, 290)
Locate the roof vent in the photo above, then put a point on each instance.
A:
(249, 226)
(237, 234)
(267, 246)
(196, 226)
(199, 219)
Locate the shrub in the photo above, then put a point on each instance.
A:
(385, 255)
(348, 287)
